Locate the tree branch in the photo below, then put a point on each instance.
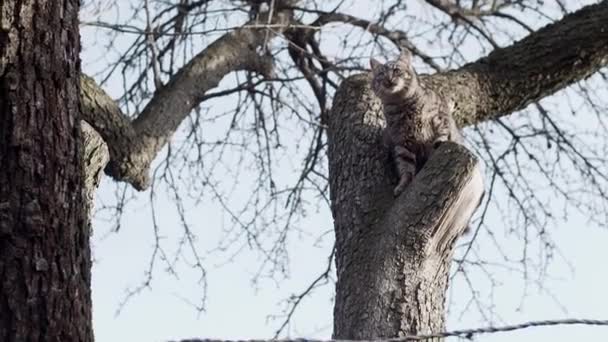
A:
(397, 37)
(542, 63)
(539, 65)
(134, 145)
(455, 10)
(441, 200)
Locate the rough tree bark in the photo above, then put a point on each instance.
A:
(45, 264)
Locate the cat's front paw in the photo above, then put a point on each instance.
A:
(405, 180)
(440, 141)
(437, 143)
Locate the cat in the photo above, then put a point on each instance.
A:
(417, 118)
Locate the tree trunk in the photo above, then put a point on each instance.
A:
(45, 263)
(392, 254)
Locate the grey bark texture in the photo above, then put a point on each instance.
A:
(45, 260)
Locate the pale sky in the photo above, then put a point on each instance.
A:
(237, 308)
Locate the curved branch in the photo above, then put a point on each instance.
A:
(542, 63)
(133, 145)
(539, 65)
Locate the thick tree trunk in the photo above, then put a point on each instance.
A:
(45, 263)
(392, 254)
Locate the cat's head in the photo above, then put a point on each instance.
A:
(394, 77)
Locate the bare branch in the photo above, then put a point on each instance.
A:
(510, 78)
(397, 37)
(544, 62)
(134, 145)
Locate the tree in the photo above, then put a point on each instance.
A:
(278, 59)
(45, 263)
(408, 258)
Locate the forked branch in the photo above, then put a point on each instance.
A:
(437, 206)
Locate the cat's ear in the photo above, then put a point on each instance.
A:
(405, 57)
(374, 64)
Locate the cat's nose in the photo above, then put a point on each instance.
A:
(389, 82)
